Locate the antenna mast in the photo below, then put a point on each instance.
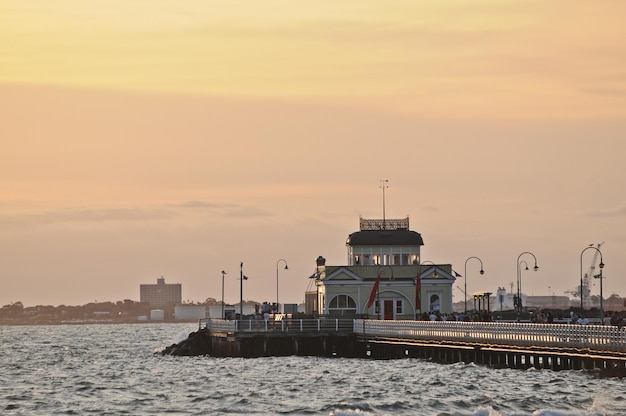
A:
(384, 182)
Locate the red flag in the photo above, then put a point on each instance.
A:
(418, 291)
(374, 291)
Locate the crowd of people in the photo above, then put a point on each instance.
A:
(610, 318)
(473, 316)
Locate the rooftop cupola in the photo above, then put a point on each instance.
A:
(384, 242)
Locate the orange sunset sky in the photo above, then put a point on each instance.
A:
(141, 139)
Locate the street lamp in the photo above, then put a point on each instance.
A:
(378, 287)
(519, 280)
(599, 276)
(223, 273)
(601, 265)
(525, 264)
(435, 275)
(482, 271)
(277, 304)
(519, 299)
(241, 279)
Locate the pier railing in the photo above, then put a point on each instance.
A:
(284, 325)
(594, 337)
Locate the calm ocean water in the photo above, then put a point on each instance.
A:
(112, 369)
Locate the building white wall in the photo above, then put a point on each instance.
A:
(189, 312)
(157, 315)
(215, 311)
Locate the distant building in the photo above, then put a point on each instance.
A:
(504, 301)
(160, 294)
(190, 312)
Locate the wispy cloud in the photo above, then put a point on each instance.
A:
(204, 205)
(248, 211)
(100, 215)
(87, 215)
(609, 212)
(227, 209)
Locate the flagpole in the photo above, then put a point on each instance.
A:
(378, 302)
(418, 293)
(374, 294)
(383, 182)
(241, 291)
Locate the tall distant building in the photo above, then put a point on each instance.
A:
(160, 294)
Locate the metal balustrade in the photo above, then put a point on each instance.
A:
(285, 325)
(594, 337)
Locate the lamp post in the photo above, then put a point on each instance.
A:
(519, 281)
(599, 276)
(378, 287)
(384, 185)
(434, 275)
(223, 273)
(525, 264)
(601, 265)
(277, 304)
(482, 271)
(241, 279)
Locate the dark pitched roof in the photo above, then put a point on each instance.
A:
(385, 238)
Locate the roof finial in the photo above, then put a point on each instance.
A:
(383, 186)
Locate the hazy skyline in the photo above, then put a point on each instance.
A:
(146, 139)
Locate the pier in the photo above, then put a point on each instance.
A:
(495, 344)
(499, 344)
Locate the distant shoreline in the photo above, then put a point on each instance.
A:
(26, 322)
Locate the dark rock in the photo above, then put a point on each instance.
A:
(197, 343)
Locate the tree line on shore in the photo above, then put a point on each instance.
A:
(126, 311)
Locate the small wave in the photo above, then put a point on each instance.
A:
(486, 411)
(554, 412)
(349, 412)
(362, 408)
(180, 337)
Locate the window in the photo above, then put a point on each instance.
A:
(399, 307)
(342, 305)
(434, 303)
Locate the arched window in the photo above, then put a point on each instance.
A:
(435, 305)
(342, 305)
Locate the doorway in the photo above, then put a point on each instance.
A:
(388, 309)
